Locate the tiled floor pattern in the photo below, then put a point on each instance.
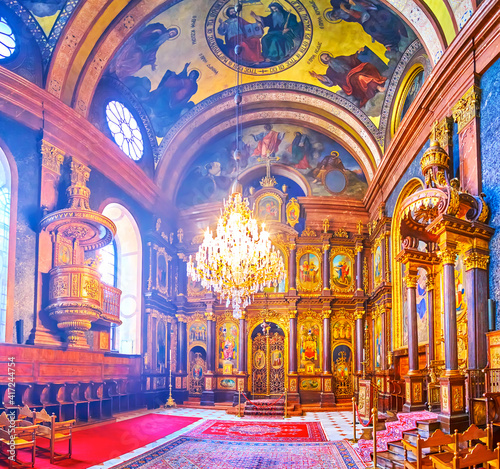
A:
(337, 426)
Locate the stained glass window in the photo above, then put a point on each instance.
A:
(7, 40)
(125, 130)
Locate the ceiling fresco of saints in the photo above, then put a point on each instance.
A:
(328, 168)
(186, 53)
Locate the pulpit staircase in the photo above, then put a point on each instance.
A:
(394, 458)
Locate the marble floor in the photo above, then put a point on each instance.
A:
(337, 426)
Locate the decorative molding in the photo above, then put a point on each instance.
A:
(411, 280)
(467, 108)
(341, 233)
(448, 256)
(308, 232)
(430, 283)
(476, 260)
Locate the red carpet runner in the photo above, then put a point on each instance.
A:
(307, 432)
(99, 444)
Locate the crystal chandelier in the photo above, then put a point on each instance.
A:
(240, 260)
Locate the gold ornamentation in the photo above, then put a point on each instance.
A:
(408, 392)
(360, 227)
(467, 108)
(293, 385)
(91, 287)
(180, 235)
(445, 402)
(308, 232)
(292, 313)
(359, 314)
(59, 287)
(442, 132)
(52, 157)
(359, 248)
(430, 282)
(327, 313)
(341, 233)
(458, 398)
(476, 260)
(326, 225)
(75, 232)
(411, 280)
(181, 318)
(448, 256)
(365, 276)
(417, 392)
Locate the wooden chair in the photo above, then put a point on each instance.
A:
(15, 438)
(479, 455)
(437, 440)
(54, 432)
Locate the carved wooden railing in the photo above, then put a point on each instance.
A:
(492, 394)
(111, 300)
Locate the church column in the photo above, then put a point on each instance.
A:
(414, 380)
(326, 268)
(359, 267)
(452, 416)
(242, 359)
(292, 270)
(476, 284)
(208, 397)
(466, 115)
(327, 396)
(293, 383)
(181, 344)
(359, 337)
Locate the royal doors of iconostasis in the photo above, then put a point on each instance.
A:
(268, 360)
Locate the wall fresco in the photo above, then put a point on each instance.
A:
(329, 169)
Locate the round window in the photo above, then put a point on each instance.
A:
(125, 130)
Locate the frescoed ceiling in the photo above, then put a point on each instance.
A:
(330, 67)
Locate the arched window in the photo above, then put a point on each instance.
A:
(5, 194)
(7, 40)
(122, 264)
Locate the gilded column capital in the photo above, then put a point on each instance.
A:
(448, 256)
(411, 281)
(292, 313)
(327, 313)
(430, 282)
(358, 315)
(326, 247)
(475, 260)
(52, 157)
(467, 107)
(181, 318)
(210, 316)
(358, 248)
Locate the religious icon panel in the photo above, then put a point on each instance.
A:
(309, 271)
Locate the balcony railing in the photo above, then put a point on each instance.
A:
(111, 300)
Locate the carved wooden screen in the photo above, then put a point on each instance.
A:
(277, 364)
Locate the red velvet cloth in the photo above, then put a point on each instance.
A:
(99, 444)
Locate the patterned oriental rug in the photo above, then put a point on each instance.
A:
(189, 453)
(394, 432)
(304, 432)
(98, 444)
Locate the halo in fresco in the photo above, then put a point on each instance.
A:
(274, 35)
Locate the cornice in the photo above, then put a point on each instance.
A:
(25, 102)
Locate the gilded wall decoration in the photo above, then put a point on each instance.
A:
(341, 270)
(445, 402)
(309, 269)
(293, 385)
(178, 382)
(309, 343)
(342, 330)
(457, 393)
(417, 392)
(292, 212)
